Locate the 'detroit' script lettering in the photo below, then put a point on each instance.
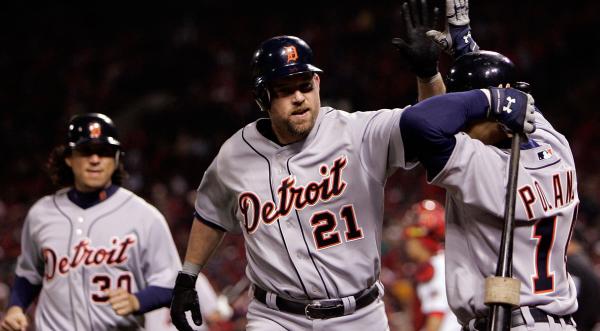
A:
(84, 254)
(293, 197)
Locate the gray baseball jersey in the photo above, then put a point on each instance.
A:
(75, 254)
(475, 178)
(311, 212)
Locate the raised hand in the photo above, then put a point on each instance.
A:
(456, 39)
(417, 50)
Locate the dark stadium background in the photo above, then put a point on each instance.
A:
(175, 78)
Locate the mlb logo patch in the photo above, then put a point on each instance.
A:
(545, 154)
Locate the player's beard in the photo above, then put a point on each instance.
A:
(301, 129)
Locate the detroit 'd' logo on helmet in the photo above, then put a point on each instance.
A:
(95, 130)
(292, 53)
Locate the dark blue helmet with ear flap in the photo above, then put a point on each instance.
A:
(92, 128)
(480, 69)
(278, 57)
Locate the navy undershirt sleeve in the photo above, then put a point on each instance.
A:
(428, 128)
(153, 297)
(23, 293)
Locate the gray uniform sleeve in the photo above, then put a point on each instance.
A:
(30, 263)
(382, 148)
(213, 201)
(476, 174)
(161, 260)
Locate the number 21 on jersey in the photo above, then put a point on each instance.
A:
(325, 232)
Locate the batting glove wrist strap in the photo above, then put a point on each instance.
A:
(186, 281)
(514, 109)
(462, 41)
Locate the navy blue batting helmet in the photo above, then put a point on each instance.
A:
(480, 70)
(278, 57)
(92, 128)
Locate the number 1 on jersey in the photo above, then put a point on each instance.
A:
(544, 232)
(325, 224)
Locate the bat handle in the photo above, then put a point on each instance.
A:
(499, 319)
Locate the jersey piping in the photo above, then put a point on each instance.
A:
(544, 166)
(305, 243)
(278, 223)
(70, 242)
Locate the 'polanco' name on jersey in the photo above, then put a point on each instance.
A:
(531, 195)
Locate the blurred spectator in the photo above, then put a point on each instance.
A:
(423, 239)
(586, 280)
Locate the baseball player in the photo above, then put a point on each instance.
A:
(475, 176)
(305, 186)
(423, 240)
(95, 255)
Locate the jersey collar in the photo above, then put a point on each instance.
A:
(89, 199)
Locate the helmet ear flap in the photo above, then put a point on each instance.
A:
(262, 96)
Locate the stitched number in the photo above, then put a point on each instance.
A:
(325, 224)
(544, 231)
(353, 232)
(104, 283)
(124, 281)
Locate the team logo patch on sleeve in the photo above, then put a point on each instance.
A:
(545, 154)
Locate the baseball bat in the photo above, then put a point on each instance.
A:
(232, 293)
(499, 319)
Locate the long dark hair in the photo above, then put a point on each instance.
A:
(62, 175)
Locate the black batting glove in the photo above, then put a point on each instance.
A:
(185, 299)
(514, 109)
(418, 51)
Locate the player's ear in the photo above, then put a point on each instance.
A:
(317, 80)
(68, 161)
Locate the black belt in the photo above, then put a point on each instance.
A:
(318, 309)
(517, 319)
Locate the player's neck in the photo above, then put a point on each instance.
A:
(264, 127)
(88, 199)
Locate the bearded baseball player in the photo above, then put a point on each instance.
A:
(475, 175)
(95, 255)
(306, 187)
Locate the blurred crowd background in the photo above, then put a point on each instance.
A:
(175, 79)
